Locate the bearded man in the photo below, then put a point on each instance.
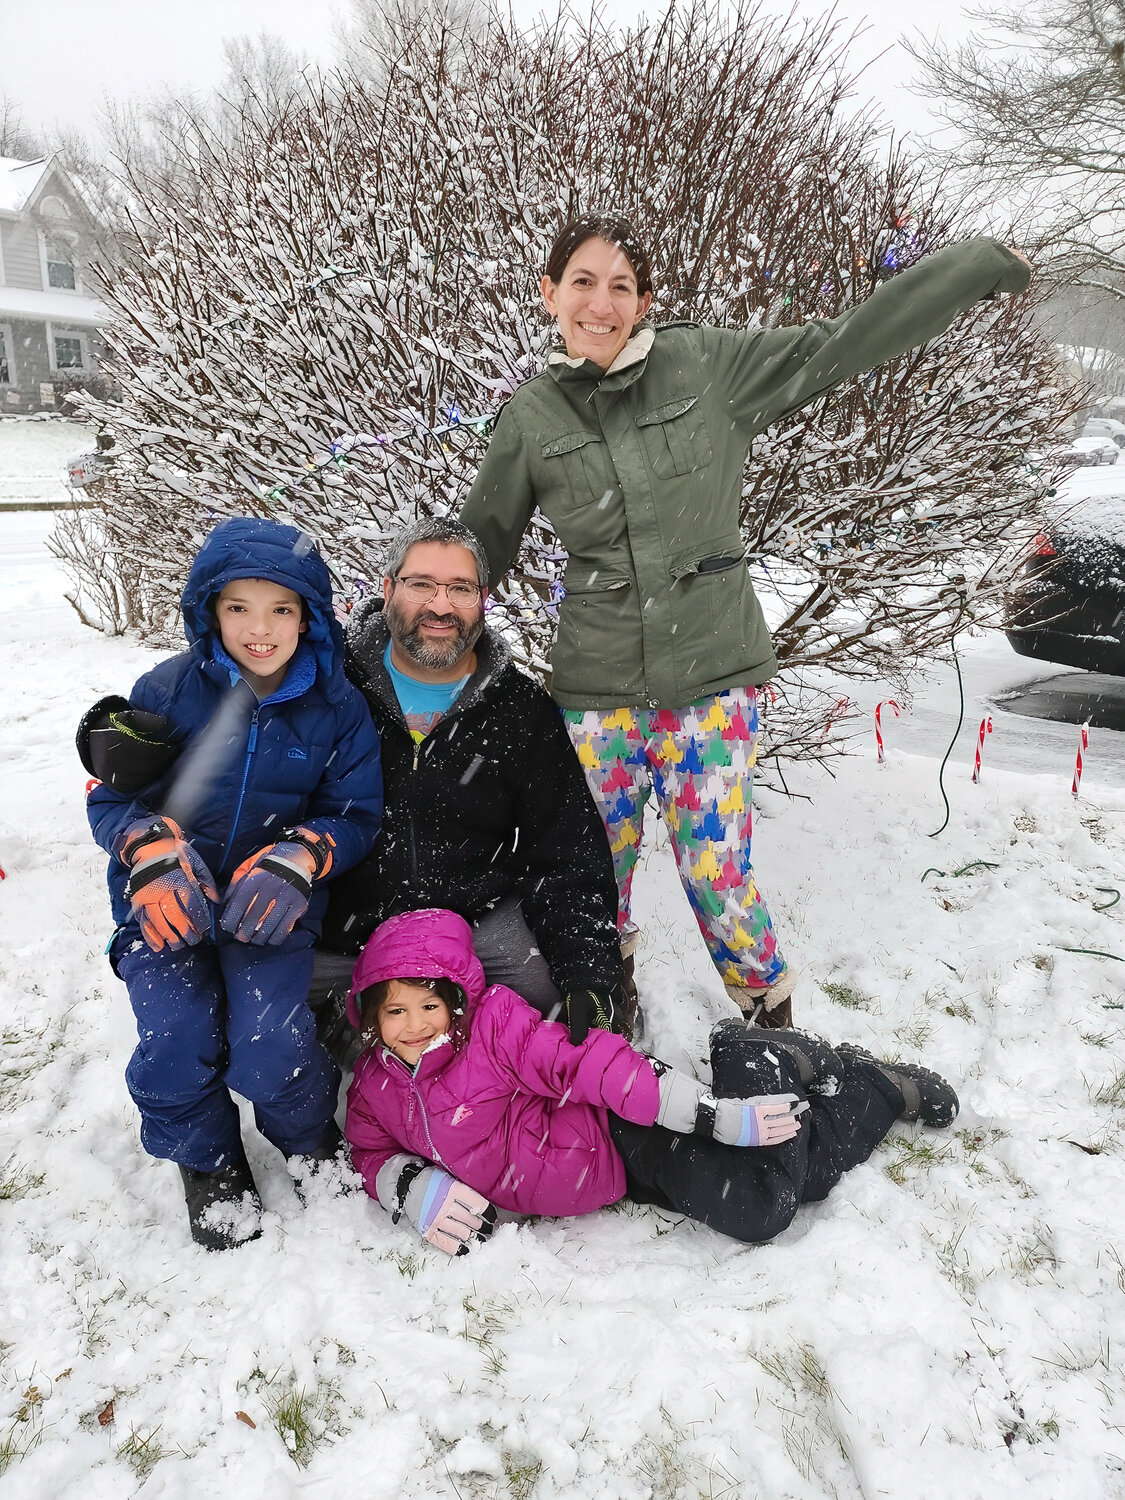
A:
(486, 808)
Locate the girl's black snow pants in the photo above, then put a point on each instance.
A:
(753, 1193)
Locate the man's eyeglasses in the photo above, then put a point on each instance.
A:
(422, 590)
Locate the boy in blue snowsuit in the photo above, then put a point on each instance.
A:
(217, 874)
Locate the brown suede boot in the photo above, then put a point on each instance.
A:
(630, 1000)
(769, 1006)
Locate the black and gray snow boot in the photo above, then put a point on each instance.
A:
(926, 1095)
(223, 1207)
(818, 1066)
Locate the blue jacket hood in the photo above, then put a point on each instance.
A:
(248, 547)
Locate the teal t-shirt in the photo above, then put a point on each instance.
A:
(422, 703)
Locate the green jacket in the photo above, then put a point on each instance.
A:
(640, 472)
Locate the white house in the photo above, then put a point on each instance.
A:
(49, 311)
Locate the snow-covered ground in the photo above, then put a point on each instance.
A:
(948, 1323)
(34, 452)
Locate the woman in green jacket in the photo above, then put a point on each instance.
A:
(633, 442)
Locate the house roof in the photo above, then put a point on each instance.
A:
(19, 180)
(67, 309)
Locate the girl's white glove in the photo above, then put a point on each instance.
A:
(689, 1107)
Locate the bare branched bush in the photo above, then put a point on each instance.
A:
(1037, 96)
(337, 287)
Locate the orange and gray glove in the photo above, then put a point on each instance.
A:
(169, 885)
(269, 892)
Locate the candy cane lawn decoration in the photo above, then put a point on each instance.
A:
(985, 728)
(841, 706)
(1082, 744)
(886, 703)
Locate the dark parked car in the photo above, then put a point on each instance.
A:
(1083, 453)
(1069, 604)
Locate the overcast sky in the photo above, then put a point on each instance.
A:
(58, 60)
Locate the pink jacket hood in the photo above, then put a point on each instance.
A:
(426, 944)
(511, 1106)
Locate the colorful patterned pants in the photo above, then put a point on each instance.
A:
(700, 761)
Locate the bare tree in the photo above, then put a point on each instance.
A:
(1037, 96)
(16, 140)
(336, 287)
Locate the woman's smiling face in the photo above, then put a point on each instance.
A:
(596, 302)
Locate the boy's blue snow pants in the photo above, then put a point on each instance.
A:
(212, 1019)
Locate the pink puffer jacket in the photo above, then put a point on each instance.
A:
(506, 1103)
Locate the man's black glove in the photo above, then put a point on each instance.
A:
(128, 748)
(583, 1009)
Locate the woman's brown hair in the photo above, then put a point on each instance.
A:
(615, 229)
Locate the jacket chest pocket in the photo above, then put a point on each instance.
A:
(579, 468)
(675, 437)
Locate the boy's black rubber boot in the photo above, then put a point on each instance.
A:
(818, 1065)
(927, 1096)
(310, 1164)
(326, 1149)
(224, 1209)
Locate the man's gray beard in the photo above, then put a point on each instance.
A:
(436, 656)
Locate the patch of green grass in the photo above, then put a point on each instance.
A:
(27, 1429)
(916, 1033)
(661, 1459)
(1113, 1091)
(483, 1326)
(1100, 1038)
(811, 1438)
(1027, 1257)
(19, 1440)
(142, 1453)
(954, 1265)
(960, 1009)
(1115, 1256)
(408, 1265)
(521, 1475)
(18, 1181)
(846, 995)
(304, 1419)
(1031, 1432)
(23, 1053)
(974, 1143)
(913, 1155)
(1075, 1363)
(293, 1414)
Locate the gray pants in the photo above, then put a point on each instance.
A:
(504, 944)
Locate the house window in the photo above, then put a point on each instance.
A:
(57, 260)
(60, 268)
(5, 356)
(69, 351)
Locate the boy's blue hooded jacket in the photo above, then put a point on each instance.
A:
(307, 754)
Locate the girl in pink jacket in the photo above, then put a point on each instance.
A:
(465, 1101)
